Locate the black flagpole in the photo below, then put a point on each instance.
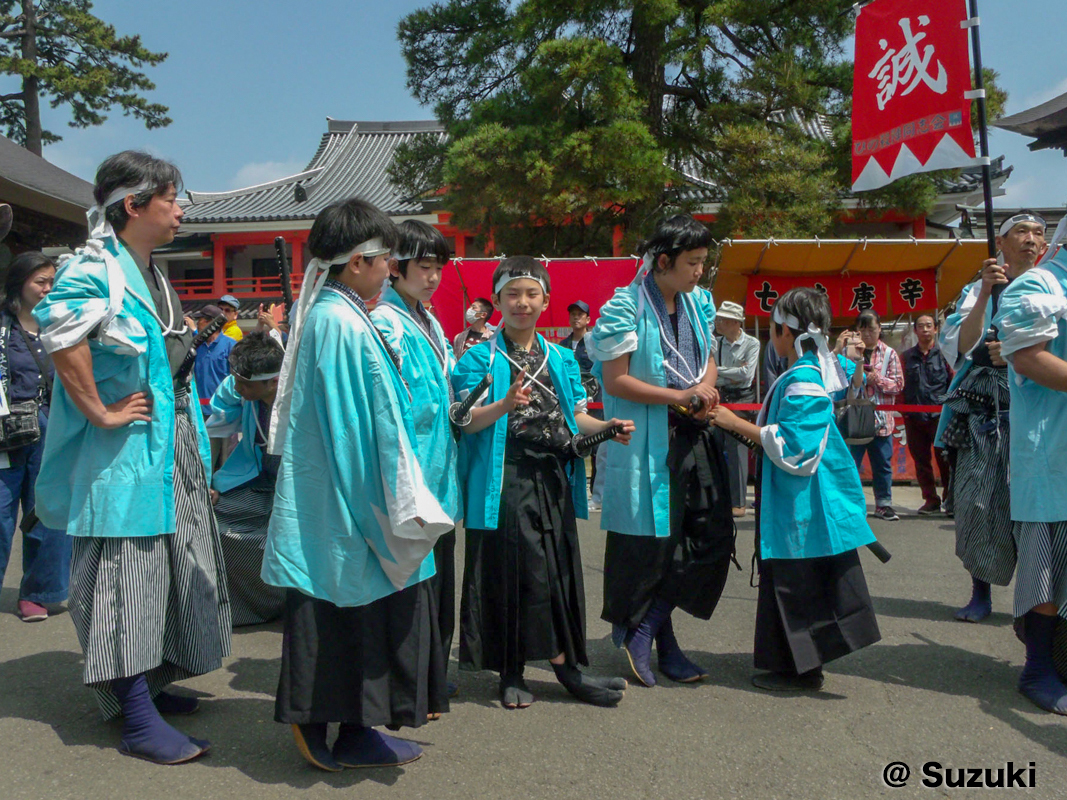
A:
(983, 138)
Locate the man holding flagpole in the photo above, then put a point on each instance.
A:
(1032, 321)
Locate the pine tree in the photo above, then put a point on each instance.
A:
(60, 52)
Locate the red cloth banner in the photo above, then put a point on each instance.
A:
(912, 69)
(885, 292)
(591, 280)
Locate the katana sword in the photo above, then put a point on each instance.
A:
(695, 404)
(460, 412)
(583, 444)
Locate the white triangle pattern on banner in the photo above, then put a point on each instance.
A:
(947, 155)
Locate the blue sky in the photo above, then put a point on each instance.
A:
(250, 83)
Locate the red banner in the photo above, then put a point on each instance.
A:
(590, 280)
(909, 113)
(884, 292)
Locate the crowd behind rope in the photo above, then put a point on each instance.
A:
(317, 480)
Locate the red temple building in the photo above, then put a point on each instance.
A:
(227, 240)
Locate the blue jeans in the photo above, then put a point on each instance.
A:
(45, 551)
(880, 450)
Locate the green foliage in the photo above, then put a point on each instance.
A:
(79, 62)
(563, 112)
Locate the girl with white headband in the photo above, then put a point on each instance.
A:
(667, 507)
(354, 522)
(523, 597)
(243, 486)
(811, 514)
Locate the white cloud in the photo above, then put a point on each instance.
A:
(263, 172)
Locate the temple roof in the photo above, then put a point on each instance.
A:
(351, 161)
(1046, 122)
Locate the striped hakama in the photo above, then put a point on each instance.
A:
(1042, 573)
(984, 541)
(154, 604)
(243, 514)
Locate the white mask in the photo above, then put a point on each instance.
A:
(471, 316)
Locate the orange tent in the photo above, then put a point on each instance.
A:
(956, 261)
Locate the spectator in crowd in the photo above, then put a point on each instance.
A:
(579, 314)
(773, 366)
(230, 305)
(212, 365)
(737, 357)
(26, 375)
(926, 379)
(477, 316)
(884, 383)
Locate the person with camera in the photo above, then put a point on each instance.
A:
(27, 375)
(883, 382)
(737, 357)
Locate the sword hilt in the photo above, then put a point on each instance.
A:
(460, 412)
(583, 444)
(880, 552)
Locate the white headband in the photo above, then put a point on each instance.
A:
(833, 375)
(1011, 222)
(505, 279)
(99, 227)
(315, 276)
(783, 318)
(263, 376)
(123, 191)
(644, 268)
(370, 248)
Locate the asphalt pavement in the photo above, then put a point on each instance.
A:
(933, 691)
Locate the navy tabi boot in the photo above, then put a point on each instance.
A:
(359, 748)
(311, 742)
(588, 688)
(144, 733)
(981, 605)
(638, 643)
(672, 661)
(1039, 682)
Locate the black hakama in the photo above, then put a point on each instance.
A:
(523, 595)
(154, 604)
(810, 611)
(688, 569)
(443, 584)
(243, 514)
(378, 664)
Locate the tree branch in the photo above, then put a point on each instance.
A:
(13, 96)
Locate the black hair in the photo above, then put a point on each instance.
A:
(420, 240)
(868, 319)
(342, 225)
(132, 168)
(19, 271)
(521, 267)
(256, 354)
(485, 303)
(809, 306)
(673, 236)
(929, 314)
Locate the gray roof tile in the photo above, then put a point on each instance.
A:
(351, 161)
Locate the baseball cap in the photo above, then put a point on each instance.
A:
(230, 300)
(207, 312)
(581, 305)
